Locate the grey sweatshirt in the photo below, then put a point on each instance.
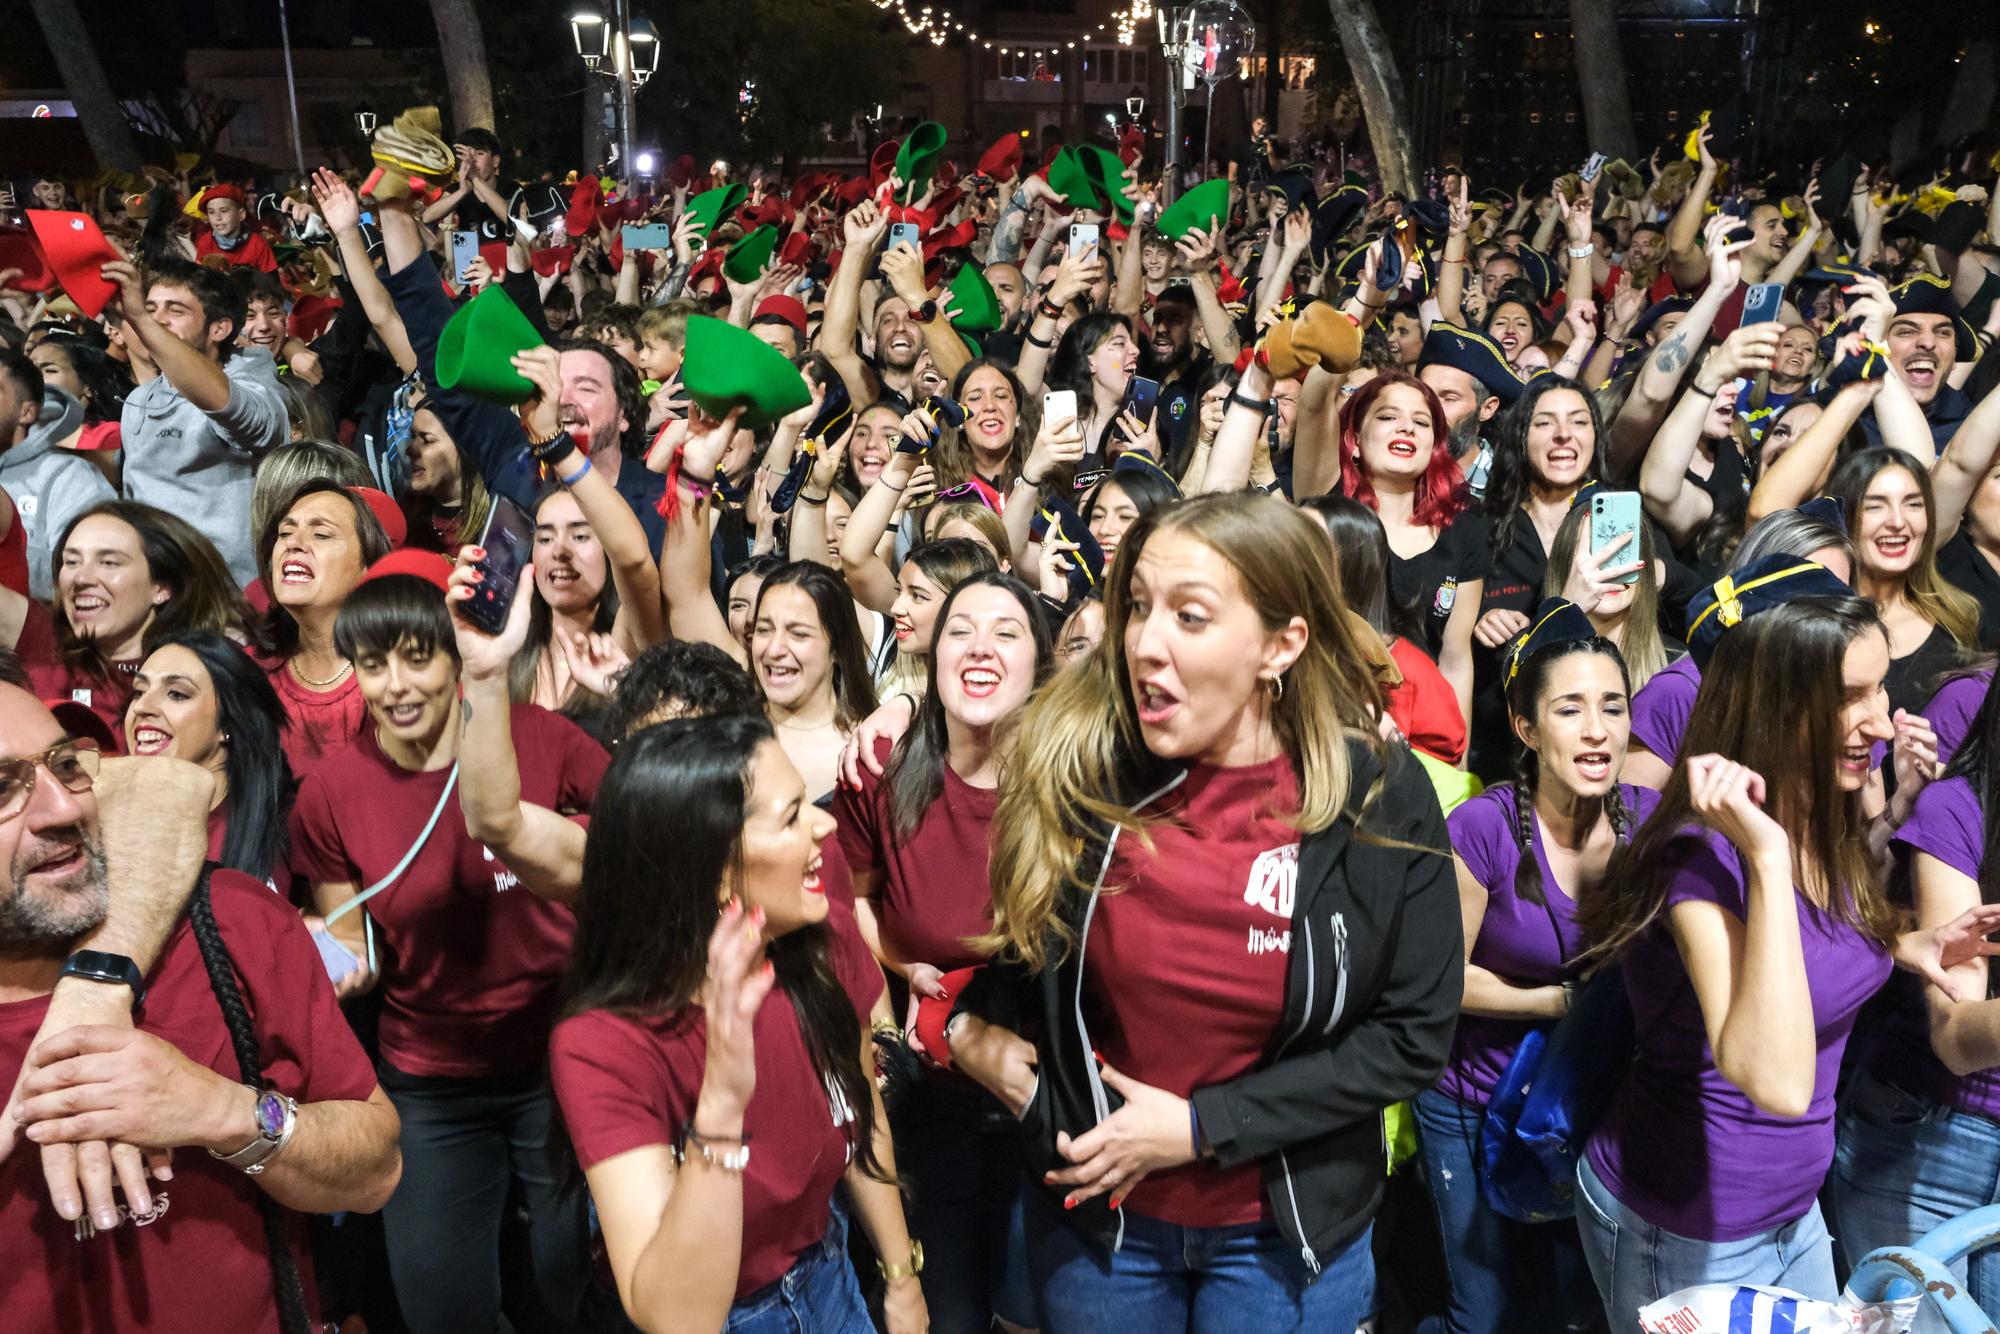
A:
(198, 464)
(50, 486)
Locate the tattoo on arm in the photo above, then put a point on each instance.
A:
(1673, 354)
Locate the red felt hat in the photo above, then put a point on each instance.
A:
(946, 174)
(1131, 145)
(681, 173)
(19, 250)
(1003, 160)
(75, 249)
(945, 200)
(81, 722)
(950, 238)
(387, 513)
(552, 259)
(807, 186)
(620, 212)
(883, 160)
(797, 249)
(428, 566)
(495, 255)
(787, 308)
(223, 190)
(311, 315)
(852, 190)
(584, 201)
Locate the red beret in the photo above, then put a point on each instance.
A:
(787, 308)
(428, 566)
(223, 191)
(387, 513)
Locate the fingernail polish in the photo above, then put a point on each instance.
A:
(1069, 1203)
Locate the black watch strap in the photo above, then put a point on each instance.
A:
(98, 966)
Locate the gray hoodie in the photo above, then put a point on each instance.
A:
(50, 486)
(198, 464)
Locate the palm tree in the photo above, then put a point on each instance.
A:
(76, 59)
(463, 48)
(1600, 76)
(1380, 85)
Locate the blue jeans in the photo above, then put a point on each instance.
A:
(1245, 1279)
(817, 1295)
(1636, 1263)
(1505, 1275)
(1904, 1164)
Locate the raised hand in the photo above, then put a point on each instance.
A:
(739, 978)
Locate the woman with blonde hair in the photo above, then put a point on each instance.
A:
(1227, 913)
(1625, 612)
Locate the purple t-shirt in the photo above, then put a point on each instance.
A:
(1680, 1145)
(1661, 708)
(1946, 823)
(1522, 942)
(1951, 710)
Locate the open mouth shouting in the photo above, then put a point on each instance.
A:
(1893, 547)
(1856, 761)
(811, 883)
(296, 571)
(405, 715)
(1920, 371)
(86, 605)
(1594, 766)
(979, 682)
(1157, 704)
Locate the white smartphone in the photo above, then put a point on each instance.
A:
(1082, 237)
(1059, 405)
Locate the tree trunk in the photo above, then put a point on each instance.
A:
(463, 48)
(1380, 84)
(1272, 31)
(1600, 75)
(104, 126)
(1971, 100)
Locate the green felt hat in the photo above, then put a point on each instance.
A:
(978, 304)
(475, 351)
(917, 159)
(747, 258)
(727, 367)
(712, 208)
(1106, 171)
(1070, 179)
(1199, 207)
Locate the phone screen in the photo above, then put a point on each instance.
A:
(509, 542)
(1142, 396)
(1614, 518)
(1592, 168)
(337, 958)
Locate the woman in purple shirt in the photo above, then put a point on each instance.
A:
(1524, 853)
(1919, 1132)
(1751, 928)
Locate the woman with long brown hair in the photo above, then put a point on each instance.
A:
(1226, 912)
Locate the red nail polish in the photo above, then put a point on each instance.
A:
(1069, 1203)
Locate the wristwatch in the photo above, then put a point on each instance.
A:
(909, 1269)
(97, 966)
(276, 1116)
(925, 313)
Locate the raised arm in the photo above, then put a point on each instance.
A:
(1798, 474)
(1229, 459)
(685, 557)
(1679, 505)
(1965, 463)
(862, 229)
(1199, 252)
(903, 266)
(1794, 262)
(1074, 276)
(871, 581)
(1685, 259)
(1451, 276)
(342, 212)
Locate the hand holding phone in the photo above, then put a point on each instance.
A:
(906, 233)
(1059, 405)
(1614, 527)
(464, 250)
(1083, 237)
(1762, 303)
(1592, 168)
(338, 960)
(509, 543)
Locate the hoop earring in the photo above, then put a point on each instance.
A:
(1276, 685)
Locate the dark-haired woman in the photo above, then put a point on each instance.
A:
(714, 1062)
(447, 502)
(987, 451)
(1919, 1133)
(808, 656)
(1751, 927)
(199, 697)
(1096, 360)
(468, 965)
(312, 555)
(1215, 1040)
(1525, 854)
(90, 376)
(126, 576)
(915, 840)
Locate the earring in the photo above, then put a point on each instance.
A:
(1276, 685)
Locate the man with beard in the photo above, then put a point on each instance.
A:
(895, 341)
(1926, 338)
(1473, 381)
(1010, 289)
(1173, 359)
(106, 1095)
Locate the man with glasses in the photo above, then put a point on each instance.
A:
(313, 1133)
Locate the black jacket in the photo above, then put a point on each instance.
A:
(1373, 981)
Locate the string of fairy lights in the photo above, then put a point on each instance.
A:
(937, 25)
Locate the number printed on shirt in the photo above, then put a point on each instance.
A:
(1274, 881)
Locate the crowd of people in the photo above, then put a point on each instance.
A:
(962, 745)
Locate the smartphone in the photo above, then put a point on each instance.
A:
(647, 236)
(1614, 517)
(1141, 397)
(1059, 405)
(1082, 237)
(464, 249)
(906, 233)
(1592, 168)
(338, 959)
(1762, 303)
(509, 543)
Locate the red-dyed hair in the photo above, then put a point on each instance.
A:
(1441, 492)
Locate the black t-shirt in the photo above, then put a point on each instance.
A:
(475, 216)
(1913, 678)
(1427, 583)
(1974, 575)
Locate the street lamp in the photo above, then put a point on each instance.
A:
(591, 34)
(365, 120)
(645, 51)
(1135, 105)
(1172, 20)
(623, 49)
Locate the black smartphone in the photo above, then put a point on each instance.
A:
(1141, 397)
(509, 543)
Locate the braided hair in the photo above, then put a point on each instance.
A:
(293, 1317)
(1523, 695)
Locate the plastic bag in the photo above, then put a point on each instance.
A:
(1731, 1308)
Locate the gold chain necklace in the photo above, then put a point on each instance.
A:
(345, 668)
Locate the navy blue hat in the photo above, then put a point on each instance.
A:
(1332, 216)
(1758, 586)
(1538, 271)
(1673, 305)
(1369, 252)
(1928, 294)
(1086, 567)
(1827, 509)
(1556, 621)
(1475, 354)
(1136, 461)
(1295, 184)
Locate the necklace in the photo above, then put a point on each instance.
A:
(345, 668)
(804, 727)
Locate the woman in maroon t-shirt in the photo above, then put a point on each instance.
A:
(916, 839)
(126, 575)
(311, 556)
(714, 1057)
(1226, 923)
(468, 963)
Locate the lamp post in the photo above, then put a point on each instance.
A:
(1173, 49)
(623, 49)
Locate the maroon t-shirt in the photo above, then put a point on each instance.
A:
(934, 891)
(52, 678)
(1186, 961)
(198, 1264)
(323, 722)
(470, 960)
(624, 1083)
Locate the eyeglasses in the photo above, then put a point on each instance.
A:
(71, 762)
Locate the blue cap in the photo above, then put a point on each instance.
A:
(1475, 354)
(1757, 587)
(1556, 621)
